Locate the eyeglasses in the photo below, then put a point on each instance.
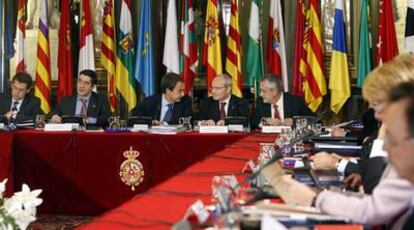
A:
(377, 107)
(217, 88)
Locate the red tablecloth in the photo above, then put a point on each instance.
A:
(79, 171)
(165, 204)
(6, 157)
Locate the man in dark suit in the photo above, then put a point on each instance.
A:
(92, 106)
(169, 106)
(222, 103)
(21, 105)
(276, 106)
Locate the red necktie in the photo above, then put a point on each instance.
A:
(222, 112)
(276, 115)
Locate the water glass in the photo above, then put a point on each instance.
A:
(40, 122)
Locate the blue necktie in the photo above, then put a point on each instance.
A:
(168, 114)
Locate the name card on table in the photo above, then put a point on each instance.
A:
(273, 129)
(2, 126)
(140, 128)
(61, 127)
(214, 129)
(236, 128)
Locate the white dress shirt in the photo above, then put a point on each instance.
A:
(226, 106)
(280, 108)
(164, 107)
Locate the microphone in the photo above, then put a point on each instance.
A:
(319, 118)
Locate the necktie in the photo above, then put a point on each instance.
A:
(222, 112)
(276, 115)
(14, 106)
(84, 110)
(168, 114)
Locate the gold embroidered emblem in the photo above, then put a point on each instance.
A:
(131, 171)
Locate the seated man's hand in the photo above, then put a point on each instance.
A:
(325, 161)
(56, 119)
(208, 123)
(8, 115)
(297, 192)
(338, 132)
(272, 122)
(156, 122)
(288, 122)
(220, 123)
(354, 180)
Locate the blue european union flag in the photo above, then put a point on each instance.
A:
(144, 65)
(2, 80)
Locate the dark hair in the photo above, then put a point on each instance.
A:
(274, 80)
(91, 74)
(405, 91)
(24, 78)
(169, 81)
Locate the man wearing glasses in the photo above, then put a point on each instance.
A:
(222, 103)
(275, 106)
(91, 106)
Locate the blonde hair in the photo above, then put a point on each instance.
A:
(384, 78)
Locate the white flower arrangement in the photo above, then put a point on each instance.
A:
(18, 211)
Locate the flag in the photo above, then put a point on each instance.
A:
(314, 85)
(299, 60)
(144, 65)
(212, 43)
(171, 57)
(43, 84)
(8, 38)
(254, 48)
(20, 36)
(188, 45)
(276, 49)
(65, 65)
(108, 53)
(409, 27)
(86, 50)
(233, 54)
(124, 78)
(339, 76)
(364, 52)
(387, 46)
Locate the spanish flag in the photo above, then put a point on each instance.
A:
(212, 43)
(339, 76)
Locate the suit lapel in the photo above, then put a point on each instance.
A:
(232, 109)
(157, 109)
(286, 107)
(92, 105)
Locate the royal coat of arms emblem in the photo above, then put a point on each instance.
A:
(131, 171)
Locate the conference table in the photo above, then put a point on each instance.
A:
(79, 171)
(165, 204)
(6, 155)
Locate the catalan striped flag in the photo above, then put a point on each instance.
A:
(409, 27)
(314, 85)
(233, 59)
(43, 85)
(20, 36)
(276, 49)
(339, 76)
(212, 43)
(108, 52)
(87, 50)
(124, 77)
(65, 63)
(299, 60)
(387, 45)
(188, 45)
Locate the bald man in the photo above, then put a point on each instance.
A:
(222, 103)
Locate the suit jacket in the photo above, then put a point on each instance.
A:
(409, 224)
(370, 125)
(29, 108)
(151, 107)
(98, 107)
(388, 203)
(292, 106)
(210, 108)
